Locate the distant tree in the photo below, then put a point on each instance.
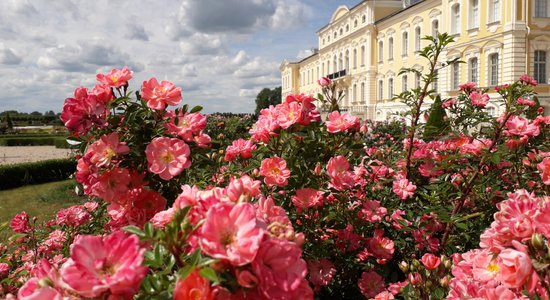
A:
(267, 97)
(437, 125)
(49, 113)
(9, 122)
(36, 113)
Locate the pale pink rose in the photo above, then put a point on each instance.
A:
(185, 125)
(307, 197)
(380, 246)
(385, 295)
(275, 171)
(542, 219)
(266, 125)
(112, 184)
(193, 287)
(20, 223)
(162, 218)
(371, 284)
(103, 93)
(324, 81)
(280, 269)
(430, 261)
(4, 269)
(338, 171)
(115, 78)
(515, 268)
(341, 122)
(519, 126)
(479, 100)
(110, 264)
(500, 293)
(242, 189)
(544, 169)
(159, 95)
(403, 188)
(309, 112)
(56, 240)
(289, 114)
(32, 290)
(528, 80)
(372, 211)
(240, 148)
(105, 149)
(467, 87)
(321, 272)
(167, 157)
(526, 102)
(449, 103)
(231, 232)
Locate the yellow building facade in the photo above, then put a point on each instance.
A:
(364, 47)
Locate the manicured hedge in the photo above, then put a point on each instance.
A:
(16, 175)
(57, 141)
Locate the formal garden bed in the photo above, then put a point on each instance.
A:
(295, 206)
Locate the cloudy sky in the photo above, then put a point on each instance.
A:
(220, 52)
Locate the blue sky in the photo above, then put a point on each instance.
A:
(221, 52)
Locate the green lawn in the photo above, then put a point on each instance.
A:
(41, 200)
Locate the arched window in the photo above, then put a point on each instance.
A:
(355, 58)
(473, 70)
(346, 66)
(335, 64)
(354, 93)
(380, 51)
(390, 87)
(404, 83)
(363, 55)
(362, 92)
(340, 62)
(455, 19)
(474, 14)
(355, 23)
(417, 39)
(493, 69)
(390, 48)
(435, 28)
(364, 19)
(405, 44)
(540, 66)
(455, 76)
(381, 90)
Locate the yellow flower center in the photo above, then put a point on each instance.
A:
(114, 78)
(493, 267)
(167, 157)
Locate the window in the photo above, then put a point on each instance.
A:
(322, 70)
(474, 14)
(541, 8)
(347, 60)
(362, 92)
(341, 31)
(494, 11)
(354, 93)
(390, 87)
(472, 64)
(354, 23)
(355, 58)
(455, 19)
(347, 28)
(418, 80)
(390, 49)
(380, 51)
(404, 83)
(455, 76)
(380, 90)
(340, 62)
(364, 19)
(540, 66)
(417, 39)
(435, 28)
(405, 44)
(493, 69)
(335, 34)
(363, 49)
(334, 65)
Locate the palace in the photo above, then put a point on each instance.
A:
(364, 47)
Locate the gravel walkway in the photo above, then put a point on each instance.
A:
(19, 154)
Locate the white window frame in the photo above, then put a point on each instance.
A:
(493, 69)
(540, 66)
(473, 73)
(404, 43)
(455, 19)
(473, 15)
(494, 11)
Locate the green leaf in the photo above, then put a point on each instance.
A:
(462, 226)
(194, 258)
(209, 274)
(196, 109)
(134, 230)
(16, 236)
(148, 229)
(185, 271)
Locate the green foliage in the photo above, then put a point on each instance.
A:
(437, 125)
(12, 176)
(225, 128)
(57, 141)
(267, 97)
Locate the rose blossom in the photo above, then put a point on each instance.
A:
(371, 284)
(275, 171)
(239, 148)
(430, 261)
(341, 122)
(403, 188)
(324, 81)
(115, 78)
(101, 265)
(103, 150)
(514, 268)
(521, 127)
(159, 95)
(32, 290)
(193, 287)
(321, 272)
(528, 80)
(167, 157)
(20, 223)
(280, 269)
(479, 100)
(307, 197)
(231, 232)
(544, 168)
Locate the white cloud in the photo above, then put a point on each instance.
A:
(8, 56)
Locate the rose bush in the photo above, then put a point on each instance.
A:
(342, 209)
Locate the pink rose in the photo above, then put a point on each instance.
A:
(20, 223)
(514, 268)
(194, 286)
(159, 95)
(275, 171)
(115, 78)
(479, 100)
(430, 261)
(167, 157)
(324, 81)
